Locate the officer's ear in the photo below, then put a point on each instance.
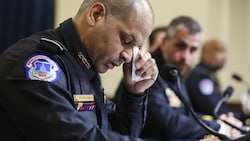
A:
(96, 13)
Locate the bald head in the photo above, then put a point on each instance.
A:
(213, 54)
(126, 11)
(120, 8)
(108, 27)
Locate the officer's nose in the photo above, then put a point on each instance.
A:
(126, 55)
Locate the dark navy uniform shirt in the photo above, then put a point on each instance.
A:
(205, 92)
(51, 92)
(167, 117)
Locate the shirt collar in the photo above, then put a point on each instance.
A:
(73, 43)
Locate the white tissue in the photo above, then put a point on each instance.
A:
(135, 57)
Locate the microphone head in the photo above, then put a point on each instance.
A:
(169, 72)
(228, 92)
(237, 77)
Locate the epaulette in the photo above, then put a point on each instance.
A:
(52, 46)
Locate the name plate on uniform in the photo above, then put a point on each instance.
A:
(83, 97)
(84, 102)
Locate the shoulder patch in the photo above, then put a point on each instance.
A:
(41, 67)
(206, 86)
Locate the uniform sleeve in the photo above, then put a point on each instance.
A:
(131, 111)
(164, 123)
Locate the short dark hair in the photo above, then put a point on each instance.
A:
(188, 22)
(155, 32)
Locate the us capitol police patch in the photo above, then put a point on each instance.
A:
(206, 86)
(41, 67)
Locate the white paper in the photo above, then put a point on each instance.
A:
(135, 57)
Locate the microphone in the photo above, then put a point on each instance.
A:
(246, 97)
(171, 73)
(225, 96)
(227, 93)
(239, 79)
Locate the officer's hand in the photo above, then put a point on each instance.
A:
(226, 129)
(229, 117)
(145, 66)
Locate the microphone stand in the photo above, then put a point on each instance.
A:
(190, 109)
(216, 109)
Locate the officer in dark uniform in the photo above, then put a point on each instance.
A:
(50, 85)
(202, 83)
(167, 116)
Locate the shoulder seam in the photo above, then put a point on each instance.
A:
(55, 42)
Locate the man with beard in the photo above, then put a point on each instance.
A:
(167, 116)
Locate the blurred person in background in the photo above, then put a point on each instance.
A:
(202, 83)
(156, 37)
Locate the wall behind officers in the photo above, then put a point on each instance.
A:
(50, 83)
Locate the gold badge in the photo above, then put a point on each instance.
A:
(83, 97)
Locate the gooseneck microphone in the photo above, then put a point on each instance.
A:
(239, 79)
(227, 93)
(225, 96)
(171, 72)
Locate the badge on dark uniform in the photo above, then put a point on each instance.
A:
(84, 102)
(172, 98)
(41, 67)
(84, 60)
(206, 86)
